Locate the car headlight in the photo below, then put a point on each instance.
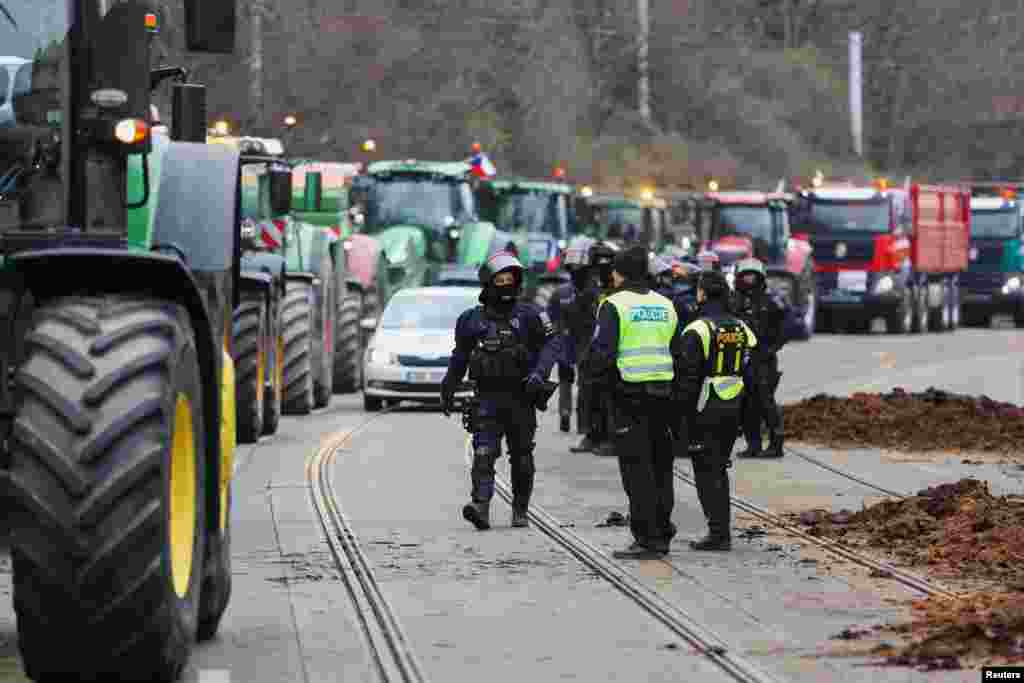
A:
(1012, 285)
(884, 285)
(381, 357)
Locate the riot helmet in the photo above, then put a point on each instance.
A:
(714, 284)
(750, 276)
(504, 295)
(660, 271)
(602, 260)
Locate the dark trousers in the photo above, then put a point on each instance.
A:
(717, 425)
(513, 417)
(644, 450)
(761, 380)
(566, 376)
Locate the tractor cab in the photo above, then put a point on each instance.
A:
(738, 225)
(540, 210)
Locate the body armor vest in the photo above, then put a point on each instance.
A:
(500, 359)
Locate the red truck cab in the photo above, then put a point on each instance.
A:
(737, 225)
(890, 253)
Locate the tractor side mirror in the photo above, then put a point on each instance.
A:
(210, 26)
(280, 189)
(313, 194)
(188, 109)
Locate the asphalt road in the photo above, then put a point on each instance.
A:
(510, 604)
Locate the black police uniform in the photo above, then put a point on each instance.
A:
(595, 395)
(509, 348)
(718, 422)
(644, 416)
(559, 308)
(765, 312)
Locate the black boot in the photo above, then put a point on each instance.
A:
(520, 518)
(563, 425)
(719, 511)
(605, 449)
(478, 514)
(586, 445)
(522, 490)
(753, 449)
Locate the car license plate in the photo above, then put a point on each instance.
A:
(853, 280)
(423, 377)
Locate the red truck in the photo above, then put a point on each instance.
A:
(891, 253)
(737, 225)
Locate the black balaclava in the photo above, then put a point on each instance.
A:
(503, 298)
(580, 278)
(632, 264)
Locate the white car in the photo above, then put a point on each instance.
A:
(407, 356)
(14, 80)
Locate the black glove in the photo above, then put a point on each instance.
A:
(447, 399)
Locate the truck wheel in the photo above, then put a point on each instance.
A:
(107, 479)
(901, 321)
(348, 359)
(955, 311)
(297, 314)
(323, 356)
(947, 308)
(543, 295)
(274, 398)
(1018, 316)
(250, 368)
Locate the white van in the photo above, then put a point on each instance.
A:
(12, 76)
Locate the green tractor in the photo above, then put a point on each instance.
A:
(424, 215)
(310, 302)
(622, 219)
(321, 200)
(117, 398)
(257, 327)
(543, 210)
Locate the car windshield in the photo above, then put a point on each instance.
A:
(847, 217)
(32, 49)
(425, 202)
(426, 312)
(995, 224)
(531, 211)
(755, 221)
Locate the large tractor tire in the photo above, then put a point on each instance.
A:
(107, 480)
(323, 348)
(298, 348)
(348, 356)
(250, 342)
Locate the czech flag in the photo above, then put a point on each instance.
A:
(482, 166)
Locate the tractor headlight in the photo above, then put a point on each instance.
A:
(1012, 285)
(884, 285)
(381, 357)
(248, 230)
(453, 233)
(347, 244)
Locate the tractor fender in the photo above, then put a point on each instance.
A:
(273, 265)
(255, 282)
(119, 271)
(798, 254)
(363, 257)
(476, 243)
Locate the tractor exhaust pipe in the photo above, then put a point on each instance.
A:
(188, 112)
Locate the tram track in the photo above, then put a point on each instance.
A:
(846, 475)
(704, 641)
(383, 635)
(907, 579)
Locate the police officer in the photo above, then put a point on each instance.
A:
(663, 282)
(563, 312)
(595, 399)
(715, 348)
(633, 349)
(766, 314)
(510, 348)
